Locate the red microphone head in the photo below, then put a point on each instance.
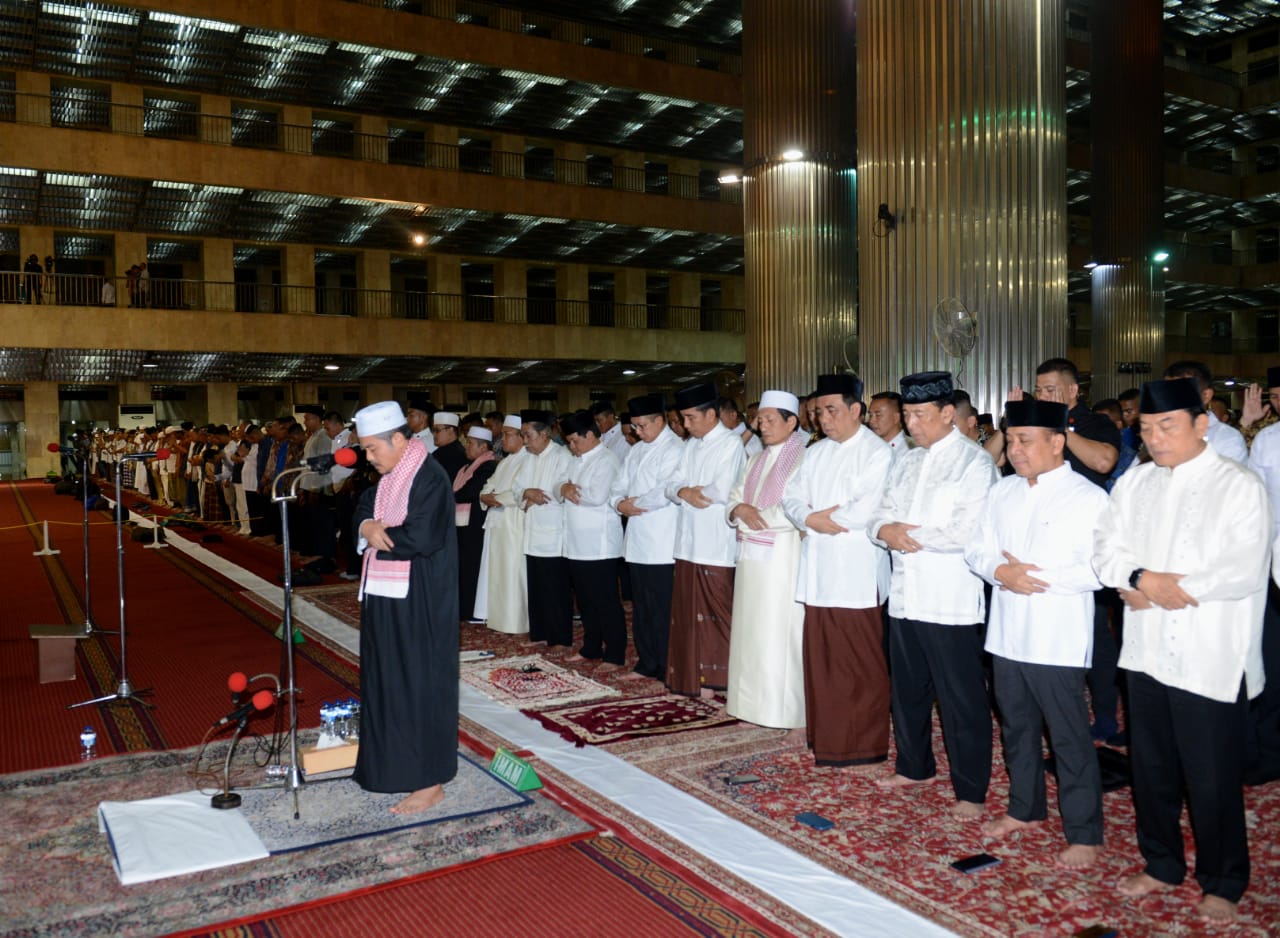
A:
(346, 456)
(162, 453)
(263, 700)
(54, 448)
(237, 682)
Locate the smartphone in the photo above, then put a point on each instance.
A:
(816, 821)
(742, 779)
(1098, 931)
(979, 861)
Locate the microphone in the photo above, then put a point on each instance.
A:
(161, 453)
(55, 448)
(262, 700)
(345, 457)
(236, 683)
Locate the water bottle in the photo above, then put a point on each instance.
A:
(353, 731)
(326, 719)
(88, 743)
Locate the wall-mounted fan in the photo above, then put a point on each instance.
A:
(850, 351)
(956, 329)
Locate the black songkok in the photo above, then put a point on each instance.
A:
(1162, 397)
(696, 395)
(924, 387)
(311, 409)
(1273, 378)
(1029, 412)
(844, 385)
(536, 416)
(647, 405)
(418, 402)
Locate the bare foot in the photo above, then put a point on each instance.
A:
(574, 659)
(609, 668)
(541, 643)
(635, 676)
(1216, 909)
(706, 693)
(798, 736)
(1140, 884)
(966, 811)
(1003, 827)
(420, 800)
(901, 781)
(1078, 856)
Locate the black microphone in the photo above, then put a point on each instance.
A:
(262, 700)
(161, 453)
(345, 457)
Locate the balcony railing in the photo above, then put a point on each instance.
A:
(401, 146)
(268, 298)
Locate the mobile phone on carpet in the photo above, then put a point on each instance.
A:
(816, 821)
(742, 779)
(979, 861)
(1098, 931)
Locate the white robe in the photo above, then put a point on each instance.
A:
(502, 596)
(766, 657)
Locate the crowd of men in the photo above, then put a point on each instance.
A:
(835, 566)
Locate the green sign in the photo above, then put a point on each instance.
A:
(514, 771)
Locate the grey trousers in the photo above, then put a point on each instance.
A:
(1031, 697)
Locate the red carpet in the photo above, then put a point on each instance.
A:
(188, 629)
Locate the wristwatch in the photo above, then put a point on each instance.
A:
(1134, 577)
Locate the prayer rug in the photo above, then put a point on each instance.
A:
(612, 721)
(531, 681)
(58, 878)
(900, 843)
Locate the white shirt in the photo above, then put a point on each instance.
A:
(714, 462)
(749, 440)
(616, 442)
(1049, 524)
(1210, 520)
(1264, 459)
(340, 474)
(1227, 440)
(650, 537)
(943, 488)
(501, 485)
(899, 445)
(592, 529)
(249, 471)
(544, 524)
(318, 444)
(841, 570)
(425, 437)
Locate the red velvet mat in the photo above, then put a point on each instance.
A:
(188, 629)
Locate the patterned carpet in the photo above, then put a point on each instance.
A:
(531, 681)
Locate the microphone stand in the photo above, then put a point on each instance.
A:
(293, 776)
(89, 625)
(227, 798)
(124, 692)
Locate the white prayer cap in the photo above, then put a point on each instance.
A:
(444, 419)
(379, 418)
(782, 400)
(513, 421)
(480, 433)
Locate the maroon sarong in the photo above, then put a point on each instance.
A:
(846, 685)
(701, 612)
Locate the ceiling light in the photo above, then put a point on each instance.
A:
(492, 369)
(729, 179)
(628, 371)
(1090, 265)
(330, 367)
(150, 365)
(419, 239)
(1160, 256)
(791, 155)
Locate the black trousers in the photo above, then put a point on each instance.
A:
(604, 625)
(929, 661)
(1183, 742)
(344, 503)
(1104, 675)
(651, 585)
(320, 526)
(258, 505)
(1263, 745)
(1033, 696)
(550, 600)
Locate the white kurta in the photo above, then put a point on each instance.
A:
(847, 571)
(651, 537)
(899, 445)
(714, 462)
(544, 524)
(592, 529)
(1264, 459)
(1208, 519)
(766, 656)
(616, 441)
(502, 597)
(942, 488)
(1227, 440)
(1049, 524)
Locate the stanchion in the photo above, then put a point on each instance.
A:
(45, 551)
(156, 543)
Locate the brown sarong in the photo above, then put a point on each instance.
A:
(701, 611)
(846, 685)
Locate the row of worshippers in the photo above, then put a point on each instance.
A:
(769, 578)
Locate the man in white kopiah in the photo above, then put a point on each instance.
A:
(931, 505)
(1187, 542)
(843, 580)
(766, 663)
(639, 495)
(501, 593)
(1034, 545)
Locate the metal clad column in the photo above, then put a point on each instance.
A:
(961, 133)
(799, 246)
(1127, 205)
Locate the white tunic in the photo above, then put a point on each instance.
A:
(1210, 520)
(1049, 524)
(592, 529)
(1227, 440)
(544, 524)
(766, 645)
(1264, 459)
(501, 594)
(650, 537)
(942, 488)
(339, 474)
(616, 442)
(847, 570)
(899, 445)
(714, 462)
(425, 437)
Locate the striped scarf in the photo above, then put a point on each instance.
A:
(765, 493)
(391, 506)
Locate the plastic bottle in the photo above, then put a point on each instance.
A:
(88, 743)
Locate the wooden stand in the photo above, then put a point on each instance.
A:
(56, 651)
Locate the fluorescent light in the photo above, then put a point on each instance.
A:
(791, 155)
(628, 371)
(492, 369)
(150, 365)
(729, 179)
(1090, 265)
(1160, 256)
(330, 367)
